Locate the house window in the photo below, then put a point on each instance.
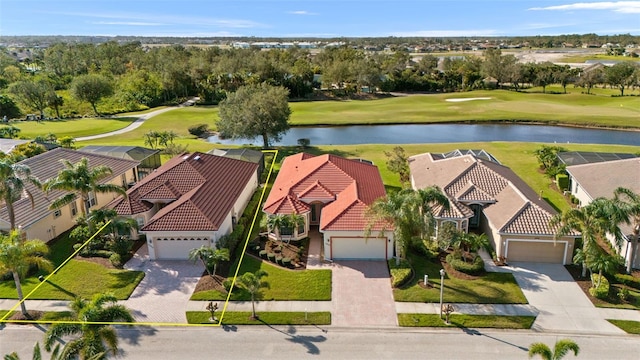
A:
(286, 231)
(57, 213)
(140, 222)
(301, 229)
(73, 206)
(92, 200)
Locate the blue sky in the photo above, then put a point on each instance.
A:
(317, 18)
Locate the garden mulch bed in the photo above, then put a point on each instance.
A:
(453, 272)
(585, 284)
(33, 315)
(207, 282)
(290, 250)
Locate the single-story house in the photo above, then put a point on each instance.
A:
(489, 197)
(149, 158)
(593, 180)
(190, 201)
(40, 222)
(569, 158)
(332, 193)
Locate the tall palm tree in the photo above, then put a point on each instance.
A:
(80, 180)
(295, 221)
(630, 203)
(408, 213)
(593, 221)
(209, 257)
(17, 256)
(91, 321)
(276, 222)
(13, 178)
(252, 282)
(561, 348)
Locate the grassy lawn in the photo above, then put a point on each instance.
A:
(266, 318)
(71, 127)
(574, 108)
(3, 313)
(76, 278)
(467, 321)
(492, 288)
(283, 284)
(584, 57)
(629, 326)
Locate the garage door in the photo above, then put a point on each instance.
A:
(346, 248)
(536, 251)
(177, 248)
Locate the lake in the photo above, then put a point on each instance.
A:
(445, 133)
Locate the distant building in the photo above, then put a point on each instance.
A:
(149, 158)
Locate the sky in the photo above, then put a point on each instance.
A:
(318, 18)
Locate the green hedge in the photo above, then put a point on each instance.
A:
(602, 291)
(562, 180)
(401, 273)
(629, 280)
(472, 268)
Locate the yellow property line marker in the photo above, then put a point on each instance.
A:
(224, 309)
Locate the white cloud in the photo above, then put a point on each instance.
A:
(301, 12)
(446, 33)
(628, 7)
(126, 23)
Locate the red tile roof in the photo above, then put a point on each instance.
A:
(201, 190)
(355, 184)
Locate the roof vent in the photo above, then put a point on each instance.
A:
(185, 157)
(196, 158)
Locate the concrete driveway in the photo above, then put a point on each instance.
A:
(562, 305)
(163, 294)
(362, 295)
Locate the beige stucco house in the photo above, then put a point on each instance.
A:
(190, 201)
(593, 180)
(40, 222)
(332, 194)
(488, 197)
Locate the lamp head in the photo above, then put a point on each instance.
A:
(441, 272)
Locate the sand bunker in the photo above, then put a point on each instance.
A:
(468, 99)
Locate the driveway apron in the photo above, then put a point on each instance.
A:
(163, 294)
(362, 294)
(562, 305)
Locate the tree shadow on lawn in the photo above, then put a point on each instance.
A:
(65, 291)
(307, 342)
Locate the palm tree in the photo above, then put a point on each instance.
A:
(91, 321)
(80, 180)
(408, 213)
(295, 221)
(252, 282)
(13, 178)
(630, 203)
(203, 253)
(55, 354)
(473, 242)
(276, 222)
(17, 256)
(561, 348)
(593, 221)
(218, 256)
(601, 261)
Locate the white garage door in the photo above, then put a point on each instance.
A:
(536, 251)
(177, 248)
(345, 248)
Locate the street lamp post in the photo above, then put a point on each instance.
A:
(441, 290)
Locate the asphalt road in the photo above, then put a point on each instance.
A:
(332, 343)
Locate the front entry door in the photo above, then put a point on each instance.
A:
(316, 209)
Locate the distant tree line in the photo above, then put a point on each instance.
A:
(79, 79)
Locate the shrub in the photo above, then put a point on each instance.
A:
(271, 256)
(623, 294)
(401, 273)
(562, 180)
(263, 253)
(286, 262)
(226, 283)
(116, 260)
(473, 268)
(175, 149)
(199, 130)
(120, 245)
(279, 259)
(602, 291)
(304, 142)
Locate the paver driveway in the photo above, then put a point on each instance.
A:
(562, 305)
(362, 295)
(163, 294)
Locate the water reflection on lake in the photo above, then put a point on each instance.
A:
(445, 133)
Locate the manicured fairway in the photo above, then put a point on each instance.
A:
(70, 127)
